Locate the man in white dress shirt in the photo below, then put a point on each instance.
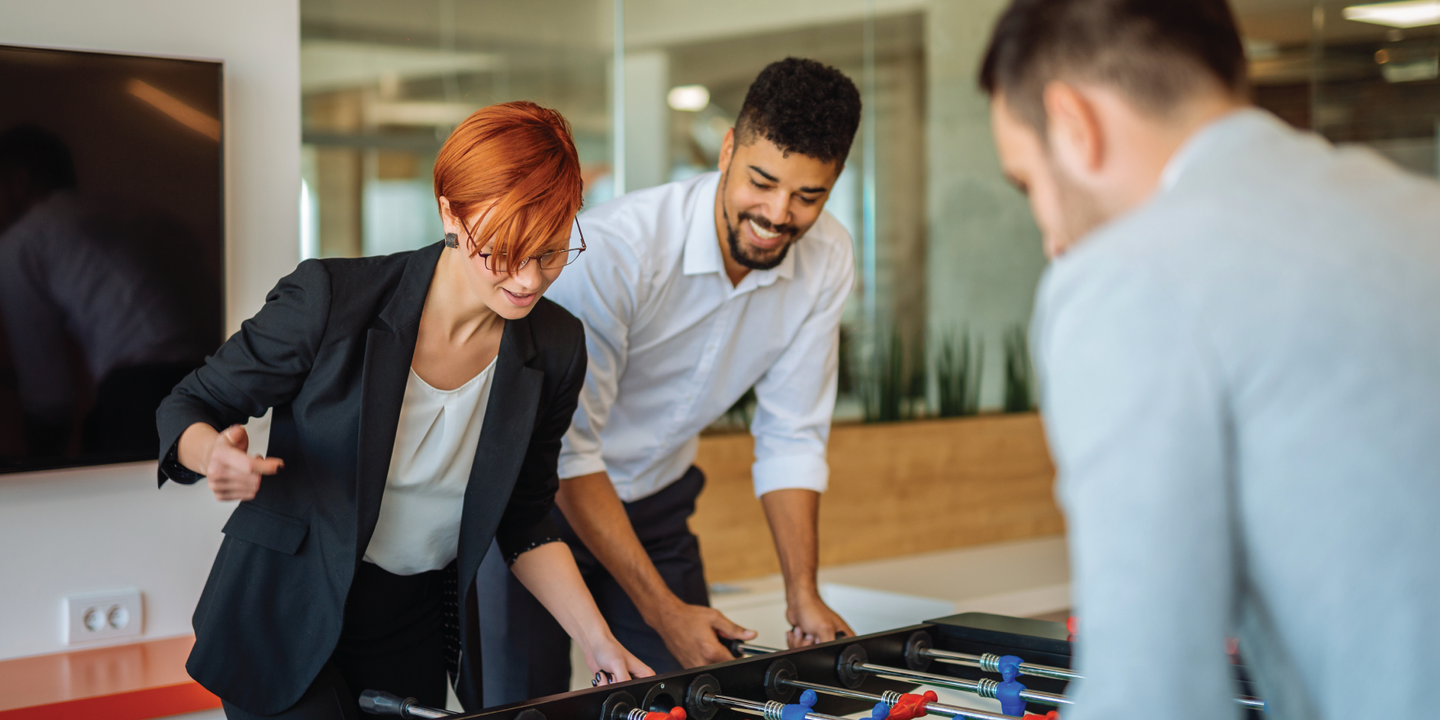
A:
(692, 293)
(1238, 342)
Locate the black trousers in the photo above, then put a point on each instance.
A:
(393, 640)
(513, 625)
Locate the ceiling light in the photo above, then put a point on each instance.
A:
(1406, 14)
(690, 98)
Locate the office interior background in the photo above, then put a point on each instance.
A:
(946, 254)
(334, 110)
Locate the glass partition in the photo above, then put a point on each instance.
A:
(1377, 79)
(385, 81)
(947, 255)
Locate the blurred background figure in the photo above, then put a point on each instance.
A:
(1236, 340)
(102, 283)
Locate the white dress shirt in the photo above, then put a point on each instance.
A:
(1242, 396)
(673, 344)
(419, 525)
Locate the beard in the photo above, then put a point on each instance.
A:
(755, 258)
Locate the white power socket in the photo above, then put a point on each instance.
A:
(97, 616)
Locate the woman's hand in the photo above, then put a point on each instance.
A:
(549, 573)
(611, 662)
(222, 459)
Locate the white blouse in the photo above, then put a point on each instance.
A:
(419, 525)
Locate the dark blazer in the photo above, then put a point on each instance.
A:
(330, 352)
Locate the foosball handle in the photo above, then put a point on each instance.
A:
(732, 645)
(376, 702)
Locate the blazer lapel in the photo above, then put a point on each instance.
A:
(389, 349)
(504, 439)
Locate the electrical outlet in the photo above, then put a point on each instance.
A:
(97, 616)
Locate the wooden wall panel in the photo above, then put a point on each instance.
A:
(895, 489)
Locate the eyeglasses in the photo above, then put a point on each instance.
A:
(553, 260)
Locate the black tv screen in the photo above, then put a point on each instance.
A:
(111, 248)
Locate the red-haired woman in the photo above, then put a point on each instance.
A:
(419, 400)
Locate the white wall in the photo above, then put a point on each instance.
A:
(104, 528)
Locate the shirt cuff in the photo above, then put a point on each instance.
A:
(574, 465)
(805, 472)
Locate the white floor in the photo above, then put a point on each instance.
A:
(1024, 578)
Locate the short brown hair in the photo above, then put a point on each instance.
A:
(1155, 51)
(520, 156)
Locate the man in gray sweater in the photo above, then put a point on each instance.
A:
(1238, 342)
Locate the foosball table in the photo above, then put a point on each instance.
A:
(1023, 664)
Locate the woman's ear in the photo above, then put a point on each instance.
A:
(447, 218)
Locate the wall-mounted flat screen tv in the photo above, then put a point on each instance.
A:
(111, 248)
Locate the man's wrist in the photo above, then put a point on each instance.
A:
(801, 590)
(659, 606)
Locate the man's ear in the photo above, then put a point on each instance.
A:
(727, 149)
(1073, 130)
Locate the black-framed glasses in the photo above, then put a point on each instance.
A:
(553, 260)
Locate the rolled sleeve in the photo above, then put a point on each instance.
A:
(796, 396)
(804, 472)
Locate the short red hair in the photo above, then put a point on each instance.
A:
(521, 157)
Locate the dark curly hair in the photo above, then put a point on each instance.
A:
(802, 106)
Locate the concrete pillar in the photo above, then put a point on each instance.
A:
(647, 119)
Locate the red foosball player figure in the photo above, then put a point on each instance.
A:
(1052, 715)
(676, 713)
(911, 706)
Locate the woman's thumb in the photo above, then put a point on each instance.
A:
(237, 437)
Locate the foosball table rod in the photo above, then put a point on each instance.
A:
(989, 663)
(890, 697)
(985, 688)
(770, 710)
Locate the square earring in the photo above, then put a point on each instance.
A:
(452, 240)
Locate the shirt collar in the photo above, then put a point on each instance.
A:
(702, 246)
(1233, 125)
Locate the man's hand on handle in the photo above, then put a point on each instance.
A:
(812, 621)
(690, 633)
(598, 517)
(793, 514)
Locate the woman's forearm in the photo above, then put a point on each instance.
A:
(194, 447)
(550, 574)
